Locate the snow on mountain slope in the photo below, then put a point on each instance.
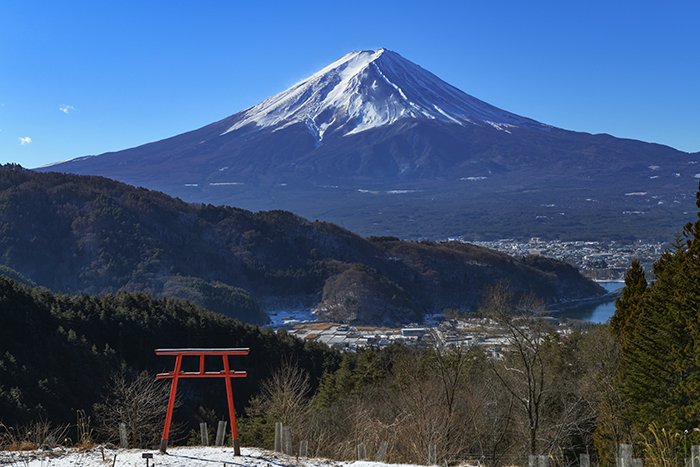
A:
(368, 89)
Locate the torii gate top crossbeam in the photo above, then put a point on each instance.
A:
(200, 351)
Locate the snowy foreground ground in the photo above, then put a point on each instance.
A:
(176, 457)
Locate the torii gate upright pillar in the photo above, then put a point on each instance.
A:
(177, 373)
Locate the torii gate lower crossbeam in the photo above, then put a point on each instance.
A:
(177, 373)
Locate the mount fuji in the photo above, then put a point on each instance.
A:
(382, 146)
(370, 89)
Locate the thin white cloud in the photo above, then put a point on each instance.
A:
(66, 109)
(24, 140)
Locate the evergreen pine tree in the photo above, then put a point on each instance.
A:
(626, 306)
(660, 358)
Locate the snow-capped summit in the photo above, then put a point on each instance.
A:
(369, 89)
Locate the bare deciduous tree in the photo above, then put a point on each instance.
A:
(140, 403)
(493, 422)
(521, 371)
(284, 397)
(285, 394)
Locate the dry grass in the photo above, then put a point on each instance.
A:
(36, 435)
(84, 440)
(662, 447)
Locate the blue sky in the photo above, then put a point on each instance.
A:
(86, 77)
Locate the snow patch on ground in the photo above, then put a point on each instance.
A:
(176, 457)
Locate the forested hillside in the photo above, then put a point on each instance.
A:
(77, 234)
(58, 352)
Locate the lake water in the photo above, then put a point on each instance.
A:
(594, 312)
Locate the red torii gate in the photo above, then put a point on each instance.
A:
(177, 373)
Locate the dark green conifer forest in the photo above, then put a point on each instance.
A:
(58, 352)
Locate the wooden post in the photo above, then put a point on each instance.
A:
(304, 448)
(532, 460)
(123, 436)
(432, 454)
(624, 455)
(381, 452)
(286, 440)
(204, 433)
(542, 461)
(361, 452)
(278, 436)
(695, 455)
(584, 460)
(221, 433)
